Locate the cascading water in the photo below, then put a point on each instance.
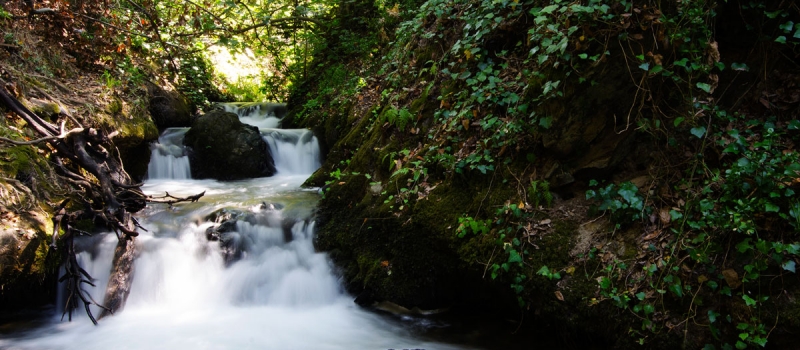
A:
(261, 286)
(168, 159)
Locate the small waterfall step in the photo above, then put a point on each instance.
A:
(259, 114)
(294, 151)
(168, 158)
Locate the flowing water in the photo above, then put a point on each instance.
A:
(188, 294)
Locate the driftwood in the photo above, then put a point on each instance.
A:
(108, 196)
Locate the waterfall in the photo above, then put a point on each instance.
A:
(295, 151)
(254, 281)
(168, 159)
(259, 114)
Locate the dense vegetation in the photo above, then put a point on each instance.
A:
(673, 120)
(584, 160)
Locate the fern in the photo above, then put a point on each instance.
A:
(398, 117)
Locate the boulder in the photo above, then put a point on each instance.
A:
(168, 108)
(223, 148)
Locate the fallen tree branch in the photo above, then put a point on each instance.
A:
(170, 199)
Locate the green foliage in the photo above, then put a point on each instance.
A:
(539, 193)
(467, 224)
(397, 117)
(624, 202)
(196, 77)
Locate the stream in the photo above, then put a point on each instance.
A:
(187, 293)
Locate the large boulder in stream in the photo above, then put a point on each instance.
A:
(224, 148)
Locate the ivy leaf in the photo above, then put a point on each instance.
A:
(698, 131)
(742, 67)
(748, 300)
(705, 87)
(678, 121)
(789, 266)
(640, 295)
(676, 288)
(644, 66)
(712, 316)
(514, 257)
(549, 9)
(543, 59)
(657, 69)
(794, 124)
(605, 283)
(649, 309)
(780, 40)
(771, 208)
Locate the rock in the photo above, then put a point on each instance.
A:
(223, 148)
(168, 108)
(225, 233)
(45, 109)
(27, 269)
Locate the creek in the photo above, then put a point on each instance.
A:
(188, 293)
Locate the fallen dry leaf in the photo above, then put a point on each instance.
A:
(732, 278)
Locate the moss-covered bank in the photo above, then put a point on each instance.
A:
(567, 172)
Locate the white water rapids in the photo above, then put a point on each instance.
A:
(282, 294)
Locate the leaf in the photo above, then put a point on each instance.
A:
(712, 316)
(789, 266)
(649, 309)
(542, 59)
(678, 121)
(742, 67)
(548, 9)
(698, 131)
(682, 62)
(705, 87)
(780, 40)
(644, 66)
(771, 208)
(605, 283)
(794, 125)
(676, 289)
(640, 295)
(514, 257)
(657, 69)
(748, 300)
(559, 296)
(544, 271)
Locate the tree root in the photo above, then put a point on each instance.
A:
(109, 196)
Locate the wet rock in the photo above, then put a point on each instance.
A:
(223, 148)
(225, 233)
(168, 108)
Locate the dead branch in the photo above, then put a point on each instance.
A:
(170, 199)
